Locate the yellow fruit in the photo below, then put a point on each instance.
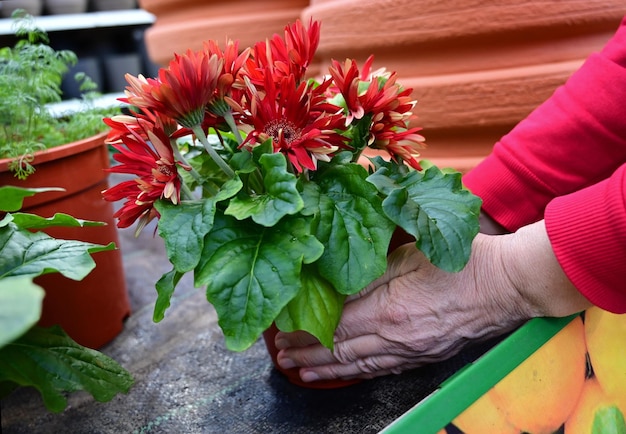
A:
(592, 398)
(539, 395)
(483, 416)
(605, 334)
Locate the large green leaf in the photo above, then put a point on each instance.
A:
(252, 272)
(53, 363)
(352, 227)
(279, 199)
(184, 226)
(316, 308)
(20, 307)
(24, 253)
(434, 207)
(11, 198)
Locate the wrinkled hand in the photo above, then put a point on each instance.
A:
(413, 315)
(417, 314)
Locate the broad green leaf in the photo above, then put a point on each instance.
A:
(183, 228)
(279, 199)
(608, 420)
(316, 308)
(165, 289)
(24, 253)
(20, 307)
(352, 227)
(434, 207)
(32, 221)
(54, 364)
(12, 198)
(242, 162)
(252, 272)
(267, 147)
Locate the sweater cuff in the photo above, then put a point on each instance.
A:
(587, 230)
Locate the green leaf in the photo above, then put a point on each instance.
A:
(434, 207)
(24, 253)
(252, 272)
(608, 420)
(316, 308)
(184, 226)
(20, 307)
(32, 221)
(353, 228)
(279, 199)
(165, 289)
(12, 198)
(53, 363)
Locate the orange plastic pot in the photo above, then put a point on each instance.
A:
(91, 311)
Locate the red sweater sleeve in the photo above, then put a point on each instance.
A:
(587, 230)
(570, 148)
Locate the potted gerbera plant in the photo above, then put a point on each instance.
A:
(259, 178)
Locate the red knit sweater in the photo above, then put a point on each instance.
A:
(566, 163)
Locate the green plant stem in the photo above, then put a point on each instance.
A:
(223, 142)
(193, 172)
(230, 121)
(187, 193)
(197, 130)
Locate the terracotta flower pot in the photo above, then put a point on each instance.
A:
(477, 68)
(91, 311)
(185, 24)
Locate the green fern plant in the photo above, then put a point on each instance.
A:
(30, 79)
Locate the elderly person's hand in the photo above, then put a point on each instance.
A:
(417, 314)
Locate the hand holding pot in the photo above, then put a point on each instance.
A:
(417, 314)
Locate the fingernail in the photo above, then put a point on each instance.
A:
(308, 376)
(286, 363)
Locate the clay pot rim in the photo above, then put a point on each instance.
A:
(60, 151)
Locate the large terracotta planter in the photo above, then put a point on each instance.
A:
(185, 24)
(91, 311)
(477, 68)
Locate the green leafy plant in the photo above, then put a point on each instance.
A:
(45, 358)
(30, 79)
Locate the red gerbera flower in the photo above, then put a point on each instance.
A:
(398, 142)
(377, 94)
(182, 91)
(121, 125)
(232, 63)
(298, 120)
(157, 177)
(286, 56)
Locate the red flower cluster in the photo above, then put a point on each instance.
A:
(262, 92)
